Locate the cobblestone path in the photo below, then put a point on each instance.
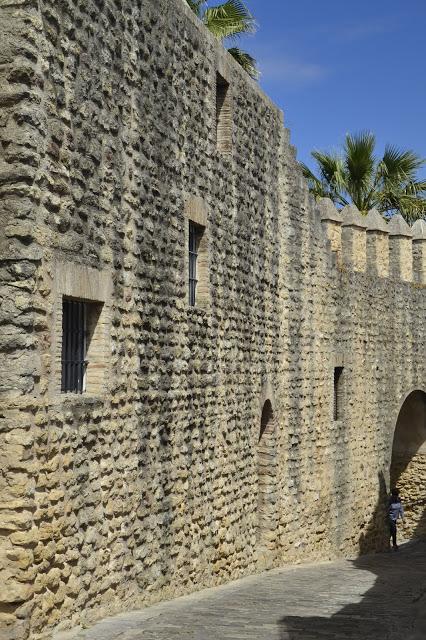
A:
(380, 597)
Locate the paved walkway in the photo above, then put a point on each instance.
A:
(380, 597)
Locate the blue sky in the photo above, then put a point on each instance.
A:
(344, 66)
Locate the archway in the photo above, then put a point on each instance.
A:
(408, 466)
(267, 489)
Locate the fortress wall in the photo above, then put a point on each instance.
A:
(373, 311)
(21, 315)
(383, 341)
(381, 315)
(147, 487)
(308, 328)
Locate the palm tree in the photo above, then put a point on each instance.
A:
(389, 184)
(230, 19)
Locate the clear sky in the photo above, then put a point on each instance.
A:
(344, 66)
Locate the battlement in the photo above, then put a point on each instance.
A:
(367, 243)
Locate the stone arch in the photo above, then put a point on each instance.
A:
(408, 461)
(266, 478)
(266, 394)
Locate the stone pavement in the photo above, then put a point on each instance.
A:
(380, 597)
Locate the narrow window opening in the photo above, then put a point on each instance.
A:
(195, 236)
(82, 347)
(223, 115)
(267, 487)
(74, 346)
(337, 393)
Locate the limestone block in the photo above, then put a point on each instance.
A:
(15, 520)
(15, 558)
(6, 619)
(331, 220)
(377, 244)
(401, 249)
(419, 251)
(354, 238)
(12, 591)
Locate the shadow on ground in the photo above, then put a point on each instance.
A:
(393, 609)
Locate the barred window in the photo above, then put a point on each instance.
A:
(195, 235)
(74, 346)
(81, 332)
(337, 393)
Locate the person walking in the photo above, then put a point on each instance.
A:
(395, 511)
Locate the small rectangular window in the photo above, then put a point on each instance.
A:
(81, 331)
(337, 393)
(223, 115)
(195, 235)
(74, 346)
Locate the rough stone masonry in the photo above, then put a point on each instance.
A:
(250, 427)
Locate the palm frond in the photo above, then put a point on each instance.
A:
(412, 208)
(400, 165)
(359, 167)
(397, 199)
(391, 184)
(247, 62)
(419, 185)
(406, 196)
(331, 169)
(322, 187)
(229, 20)
(307, 173)
(316, 187)
(196, 5)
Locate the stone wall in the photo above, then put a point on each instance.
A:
(22, 317)
(146, 486)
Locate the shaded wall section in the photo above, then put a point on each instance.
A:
(408, 470)
(267, 479)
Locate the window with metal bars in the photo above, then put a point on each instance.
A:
(337, 392)
(74, 346)
(195, 234)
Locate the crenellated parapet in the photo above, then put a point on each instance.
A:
(419, 251)
(368, 243)
(377, 244)
(354, 239)
(400, 249)
(331, 220)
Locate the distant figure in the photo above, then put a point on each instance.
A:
(395, 511)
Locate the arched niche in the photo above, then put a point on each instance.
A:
(408, 465)
(266, 476)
